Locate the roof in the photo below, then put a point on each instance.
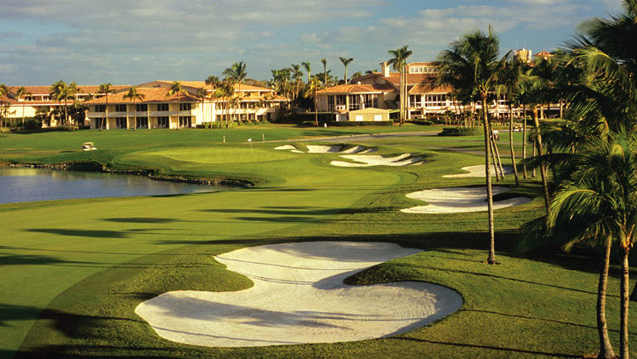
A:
(356, 88)
(543, 54)
(45, 90)
(430, 88)
(194, 85)
(159, 95)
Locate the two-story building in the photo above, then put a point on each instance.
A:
(159, 109)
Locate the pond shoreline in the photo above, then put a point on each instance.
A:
(151, 174)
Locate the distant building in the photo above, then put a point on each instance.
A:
(523, 55)
(159, 110)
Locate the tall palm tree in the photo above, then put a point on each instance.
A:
(59, 91)
(346, 61)
(213, 82)
(72, 91)
(201, 94)
(237, 73)
(308, 68)
(324, 61)
(22, 93)
(313, 86)
(399, 63)
(106, 89)
(177, 90)
(133, 95)
(297, 75)
(4, 91)
(510, 79)
(471, 65)
(600, 202)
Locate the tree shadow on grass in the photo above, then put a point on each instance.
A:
(80, 233)
(141, 220)
(489, 347)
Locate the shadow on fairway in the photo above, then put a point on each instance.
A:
(27, 259)
(80, 233)
(501, 349)
(141, 220)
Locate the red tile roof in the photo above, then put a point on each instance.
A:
(151, 95)
(356, 88)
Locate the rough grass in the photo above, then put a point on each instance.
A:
(73, 271)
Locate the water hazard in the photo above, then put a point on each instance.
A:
(33, 184)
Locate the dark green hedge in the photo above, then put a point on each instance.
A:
(460, 131)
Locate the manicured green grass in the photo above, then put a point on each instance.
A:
(82, 266)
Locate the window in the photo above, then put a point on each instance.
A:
(141, 107)
(435, 100)
(370, 100)
(100, 108)
(120, 108)
(162, 107)
(354, 102)
(415, 101)
(120, 122)
(185, 121)
(142, 122)
(162, 122)
(184, 107)
(100, 123)
(340, 102)
(330, 103)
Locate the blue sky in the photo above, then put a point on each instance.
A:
(130, 42)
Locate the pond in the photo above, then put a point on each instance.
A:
(34, 184)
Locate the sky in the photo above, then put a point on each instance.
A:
(135, 41)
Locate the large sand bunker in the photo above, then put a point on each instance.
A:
(478, 171)
(460, 199)
(377, 160)
(299, 297)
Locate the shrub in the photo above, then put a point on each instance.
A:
(460, 131)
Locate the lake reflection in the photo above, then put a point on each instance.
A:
(33, 184)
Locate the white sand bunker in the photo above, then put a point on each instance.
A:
(460, 199)
(299, 297)
(328, 149)
(478, 171)
(405, 159)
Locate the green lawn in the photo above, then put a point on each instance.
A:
(73, 271)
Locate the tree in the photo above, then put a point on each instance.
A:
(308, 68)
(346, 62)
(177, 90)
(510, 79)
(202, 93)
(21, 93)
(599, 201)
(4, 91)
(237, 73)
(399, 62)
(213, 82)
(60, 92)
(297, 74)
(133, 95)
(324, 61)
(315, 85)
(106, 89)
(72, 91)
(471, 65)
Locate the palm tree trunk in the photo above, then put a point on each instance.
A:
(540, 152)
(515, 169)
(495, 163)
(315, 109)
(605, 348)
(134, 116)
(623, 333)
(487, 150)
(497, 156)
(524, 141)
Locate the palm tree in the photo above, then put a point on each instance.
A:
(399, 62)
(132, 94)
(313, 86)
(324, 61)
(471, 65)
(59, 92)
(237, 73)
(106, 89)
(600, 202)
(22, 93)
(297, 74)
(72, 91)
(213, 82)
(345, 62)
(308, 68)
(178, 90)
(4, 91)
(510, 79)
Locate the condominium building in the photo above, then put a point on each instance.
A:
(157, 108)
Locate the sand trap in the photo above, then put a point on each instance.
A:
(377, 160)
(299, 297)
(478, 171)
(460, 199)
(323, 149)
(329, 149)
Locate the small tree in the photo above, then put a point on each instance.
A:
(133, 95)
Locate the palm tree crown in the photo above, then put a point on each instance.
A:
(346, 61)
